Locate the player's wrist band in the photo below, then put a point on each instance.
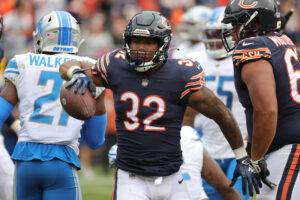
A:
(240, 152)
(71, 70)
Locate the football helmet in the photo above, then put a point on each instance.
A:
(147, 24)
(212, 35)
(57, 32)
(250, 18)
(192, 23)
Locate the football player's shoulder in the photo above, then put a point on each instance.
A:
(251, 49)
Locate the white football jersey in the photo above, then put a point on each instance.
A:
(192, 152)
(219, 78)
(38, 82)
(185, 48)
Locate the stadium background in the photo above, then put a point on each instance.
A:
(102, 25)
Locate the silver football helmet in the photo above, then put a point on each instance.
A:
(192, 23)
(212, 35)
(57, 32)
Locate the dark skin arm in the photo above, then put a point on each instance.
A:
(213, 175)
(100, 106)
(205, 102)
(189, 117)
(259, 78)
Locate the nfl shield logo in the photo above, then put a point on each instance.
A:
(145, 82)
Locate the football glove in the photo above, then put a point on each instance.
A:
(83, 81)
(246, 169)
(262, 167)
(112, 156)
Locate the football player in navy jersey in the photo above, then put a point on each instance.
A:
(266, 75)
(151, 93)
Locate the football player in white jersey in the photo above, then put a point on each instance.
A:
(6, 164)
(46, 154)
(190, 31)
(218, 68)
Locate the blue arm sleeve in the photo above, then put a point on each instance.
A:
(93, 131)
(6, 109)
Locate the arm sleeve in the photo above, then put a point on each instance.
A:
(93, 131)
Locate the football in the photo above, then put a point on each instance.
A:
(82, 107)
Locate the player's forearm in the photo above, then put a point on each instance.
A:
(67, 68)
(265, 123)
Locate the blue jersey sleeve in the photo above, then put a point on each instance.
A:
(193, 75)
(250, 50)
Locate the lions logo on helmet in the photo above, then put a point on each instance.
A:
(255, 18)
(148, 24)
(212, 35)
(57, 32)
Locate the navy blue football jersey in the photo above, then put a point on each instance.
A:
(149, 111)
(280, 52)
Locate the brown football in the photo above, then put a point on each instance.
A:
(79, 106)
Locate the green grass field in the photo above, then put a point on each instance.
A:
(99, 187)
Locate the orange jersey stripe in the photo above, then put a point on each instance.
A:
(290, 173)
(102, 66)
(249, 50)
(197, 76)
(193, 83)
(188, 90)
(107, 59)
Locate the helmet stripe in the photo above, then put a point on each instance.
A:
(59, 30)
(65, 28)
(70, 29)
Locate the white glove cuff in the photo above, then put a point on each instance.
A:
(240, 152)
(71, 70)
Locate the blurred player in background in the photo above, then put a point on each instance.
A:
(47, 148)
(6, 164)
(190, 31)
(218, 69)
(151, 93)
(266, 75)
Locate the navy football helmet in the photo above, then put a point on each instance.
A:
(254, 17)
(148, 24)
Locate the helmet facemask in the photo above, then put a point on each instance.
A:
(150, 24)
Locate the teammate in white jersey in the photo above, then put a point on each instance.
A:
(46, 154)
(190, 31)
(218, 68)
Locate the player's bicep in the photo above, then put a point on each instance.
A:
(206, 102)
(260, 81)
(9, 92)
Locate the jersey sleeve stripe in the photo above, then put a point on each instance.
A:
(253, 58)
(99, 70)
(103, 66)
(197, 76)
(107, 58)
(10, 71)
(188, 90)
(250, 50)
(193, 83)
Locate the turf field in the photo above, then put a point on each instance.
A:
(98, 187)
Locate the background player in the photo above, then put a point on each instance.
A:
(47, 148)
(218, 68)
(151, 93)
(190, 31)
(266, 68)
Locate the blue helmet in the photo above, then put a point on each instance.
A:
(153, 25)
(57, 32)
